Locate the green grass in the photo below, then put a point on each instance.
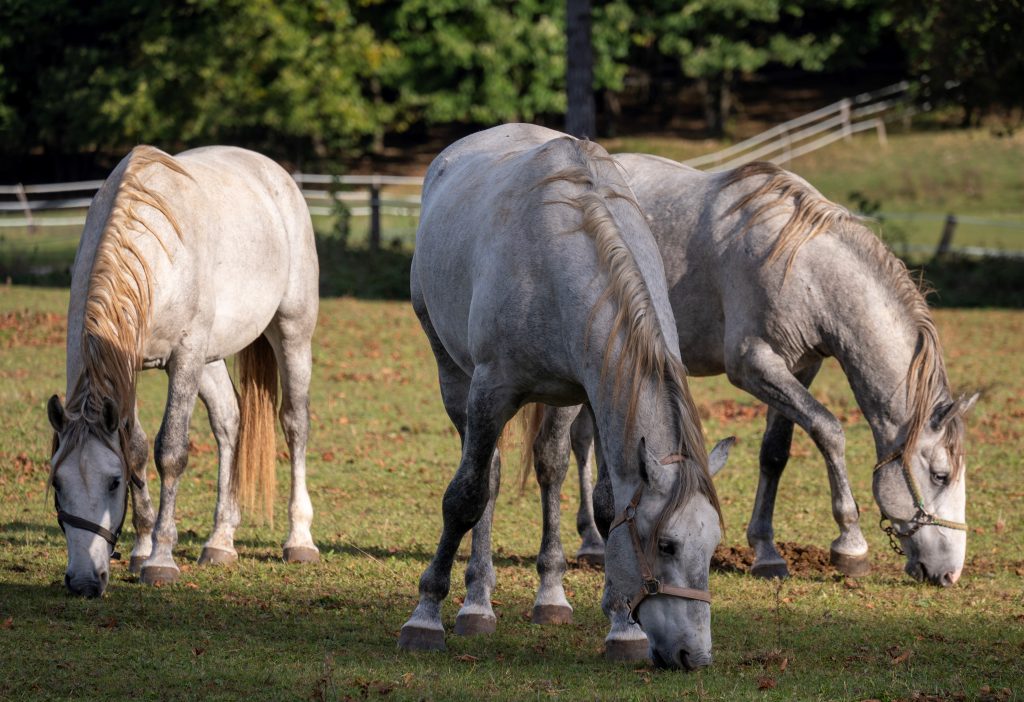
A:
(381, 453)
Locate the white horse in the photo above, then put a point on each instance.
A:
(536, 279)
(766, 278)
(183, 262)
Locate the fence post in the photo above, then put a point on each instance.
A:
(844, 111)
(19, 191)
(883, 137)
(948, 229)
(375, 215)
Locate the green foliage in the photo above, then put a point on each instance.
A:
(975, 43)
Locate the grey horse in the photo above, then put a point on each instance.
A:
(776, 278)
(184, 261)
(536, 279)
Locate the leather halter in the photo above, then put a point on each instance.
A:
(922, 517)
(66, 519)
(651, 585)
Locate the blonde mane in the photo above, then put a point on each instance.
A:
(645, 354)
(119, 300)
(813, 215)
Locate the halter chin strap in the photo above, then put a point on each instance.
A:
(651, 585)
(922, 517)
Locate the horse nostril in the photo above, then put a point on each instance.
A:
(690, 662)
(947, 580)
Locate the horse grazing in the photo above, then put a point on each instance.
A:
(536, 279)
(184, 261)
(775, 277)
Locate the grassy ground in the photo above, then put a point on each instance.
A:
(382, 451)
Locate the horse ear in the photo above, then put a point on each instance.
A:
(642, 461)
(110, 415)
(55, 413)
(719, 455)
(959, 408)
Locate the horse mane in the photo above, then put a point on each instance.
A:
(645, 353)
(118, 302)
(813, 215)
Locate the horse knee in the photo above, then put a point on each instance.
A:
(171, 456)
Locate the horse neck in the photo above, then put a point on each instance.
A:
(875, 347)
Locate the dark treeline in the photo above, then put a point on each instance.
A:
(319, 82)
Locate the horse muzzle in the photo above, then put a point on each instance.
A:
(88, 586)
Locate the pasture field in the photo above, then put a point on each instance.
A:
(382, 451)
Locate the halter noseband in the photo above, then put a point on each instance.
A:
(922, 517)
(651, 585)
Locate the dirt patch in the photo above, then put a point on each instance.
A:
(730, 410)
(802, 559)
(19, 329)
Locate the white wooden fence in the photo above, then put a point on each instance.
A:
(374, 195)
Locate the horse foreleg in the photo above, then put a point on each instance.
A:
(143, 517)
(171, 460)
(591, 549)
(551, 460)
(488, 409)
(218, 394)
(757, 369)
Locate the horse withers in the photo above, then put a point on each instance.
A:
(536, 279)
(183, 262)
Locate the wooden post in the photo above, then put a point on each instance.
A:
(883, 138)
(20, 193)
(948, 229)
(844, 111)
(375, 215)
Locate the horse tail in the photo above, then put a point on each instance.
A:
(528, 422)
(253, 482)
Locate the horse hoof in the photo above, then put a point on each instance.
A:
(626, 650)
(135, 564)
(470, 625)
(301, 554)
(853, 566)
(591, 560)
(158, 575)
(770, 570)
(414, 638)
(217, 556)
(551, 614)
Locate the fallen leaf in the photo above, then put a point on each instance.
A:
(109, 623)
(766, 682)
(198, 652)
(8, 623)
(901, 658)
(783, 665)
(191, 585)
(466, 658)
(327, 456)
(1000, 526)
(851, 583)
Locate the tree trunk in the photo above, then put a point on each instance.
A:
(579, 79)
(717, 95)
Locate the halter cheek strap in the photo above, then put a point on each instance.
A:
(651, 585)
(922, 517)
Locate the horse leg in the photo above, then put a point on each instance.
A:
(775, 446)
(591, 551)
(476, 615)
(142, 507)
(551, 460)
(625, 641)
(489, 406)
(293, 348)
(171, 460)
(757, 369)
(218, 394)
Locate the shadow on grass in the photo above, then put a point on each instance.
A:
(13, 533)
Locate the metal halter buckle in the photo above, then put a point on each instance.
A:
(652, 586)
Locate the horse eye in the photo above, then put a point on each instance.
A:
(667, 548)
(115, 484)
(940, 479)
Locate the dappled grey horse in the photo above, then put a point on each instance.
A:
(536, 279)
(184, 261)
(766, 278)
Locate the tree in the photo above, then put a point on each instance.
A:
(717, 41)
(580, 120)
(973, 45)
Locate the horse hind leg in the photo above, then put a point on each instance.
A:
(488, 408)
(476, 615)
(218, 394)
(171, 459)
(293, 349)
(775, 447)
(591, 550)
(551, 460)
